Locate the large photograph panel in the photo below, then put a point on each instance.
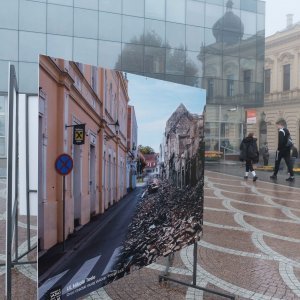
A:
(120, 174)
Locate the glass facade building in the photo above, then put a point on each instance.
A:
(214, 44)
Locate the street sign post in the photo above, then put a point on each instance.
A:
(63, 166)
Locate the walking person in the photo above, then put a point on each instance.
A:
(249, 154)
(283, 150)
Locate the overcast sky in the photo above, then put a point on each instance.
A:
(276, 11)
(155, 100)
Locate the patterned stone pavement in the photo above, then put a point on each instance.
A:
(24, 279)
(250, 247)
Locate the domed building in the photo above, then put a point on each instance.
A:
(233, 76)
(229, 29)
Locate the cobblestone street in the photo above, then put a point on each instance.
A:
(250, 247)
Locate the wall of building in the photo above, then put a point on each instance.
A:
(157, 39)
(282, 48)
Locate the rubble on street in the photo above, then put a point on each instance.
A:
(164, 222)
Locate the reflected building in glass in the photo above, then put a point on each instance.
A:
(213, 44)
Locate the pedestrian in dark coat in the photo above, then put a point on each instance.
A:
(283, 150)
(249, 153)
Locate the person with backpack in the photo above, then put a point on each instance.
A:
(249, 153)
(283, 150)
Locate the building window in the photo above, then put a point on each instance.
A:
(94, 79)
(247, 81)
(230, 86)
(267, 81)
(286, 77)
(210, 88)
(80, 66)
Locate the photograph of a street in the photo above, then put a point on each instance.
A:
(124, 179)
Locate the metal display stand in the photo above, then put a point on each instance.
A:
(166, 276)
(12, 208)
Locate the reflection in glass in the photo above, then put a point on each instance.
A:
(9, 44)
(133, 30)
(108, 32)
(261, 7)
(249, 5)
(232, 49)
(192, 43)
(249, 21)
(85, 23)
(110, 6)
(27, 84)
(211, 45)
(176, 11)
(193, 81)
(31, 45)
(217, 2)
(231, 67)
(109, 53)
(59, 46)
(60, 20)
(132, 58)
(155, 9)
(195, 13)
(2, 147)
(259, 71)
(62, 2)
(85, 51)
(2, 104)
(155, 33)
(155, 60)
(2, 124)
(194, 66)
(261, 25)
(4, 74)
(9, 9)
(212, 14)
(175, 35)
(248, 46)
(236, 4)
(248, 64)
(32, 16)
(91, 4)
(175, 78)
(260, 47)
(175, 62)
(213, 65)
(134, 7)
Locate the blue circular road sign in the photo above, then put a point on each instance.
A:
(64, 164)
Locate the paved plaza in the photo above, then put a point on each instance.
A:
(250, 247)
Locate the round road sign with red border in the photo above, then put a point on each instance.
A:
(64, 164)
